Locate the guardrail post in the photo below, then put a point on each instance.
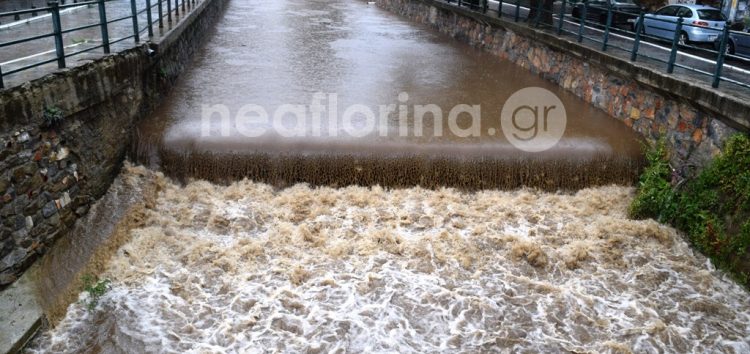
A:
(485, 6)
(149, 22)
(637, 40)
(583, 20)
(721, 57)
(561, 20)
(500, 8)
(459, 3)
(183, 6)
(161, 14)
(103, 24)
(538, 16)
(518, 11)
(606, 28)
(675, 42)
(169, 11)
(134, 16)
(57, 29)
(2, 85)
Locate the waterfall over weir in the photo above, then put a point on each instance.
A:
(326, 57)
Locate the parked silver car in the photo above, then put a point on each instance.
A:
(700, 23)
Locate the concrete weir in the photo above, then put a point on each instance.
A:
(375, 59)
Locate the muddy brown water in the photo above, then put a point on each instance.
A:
(276, 53)
(246, 267)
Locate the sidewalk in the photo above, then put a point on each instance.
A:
(23, 54)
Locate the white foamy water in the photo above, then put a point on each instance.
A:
(247, 268)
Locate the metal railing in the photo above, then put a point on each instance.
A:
(57, 31)
(583, 27)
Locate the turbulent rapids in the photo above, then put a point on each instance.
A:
(407, 244)
(250, 268)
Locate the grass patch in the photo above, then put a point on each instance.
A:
(713, 209)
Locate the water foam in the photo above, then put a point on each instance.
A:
(250, 268)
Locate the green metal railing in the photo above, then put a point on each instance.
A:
(579, 27)
(57, 30)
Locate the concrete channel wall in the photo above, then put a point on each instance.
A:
(694, 117)
(64, 136)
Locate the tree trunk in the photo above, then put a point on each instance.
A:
(547, 9)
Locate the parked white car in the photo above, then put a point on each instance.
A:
(700, 23)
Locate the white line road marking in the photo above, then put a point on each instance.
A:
(42, 53)
(37, 18)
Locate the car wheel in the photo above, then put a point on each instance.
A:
(684, 39)
(730, 48)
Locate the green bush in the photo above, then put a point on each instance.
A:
(52, 117)
(95, 288)
(655, 197)
(713, 209)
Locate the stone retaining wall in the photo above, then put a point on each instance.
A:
(64, 136)
(695, 119)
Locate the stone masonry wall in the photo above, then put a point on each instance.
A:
(64, 136)
(640, 100)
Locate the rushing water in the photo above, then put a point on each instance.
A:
(250, 268)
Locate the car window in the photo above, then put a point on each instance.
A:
(711, 15)
(667, 11)
(684, 12)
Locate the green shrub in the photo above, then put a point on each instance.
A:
(52, 116)
(655, 197)
(712, 209)
(95, 289)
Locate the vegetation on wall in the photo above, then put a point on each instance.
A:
(52, 117)
(95, 288)
(713, 209)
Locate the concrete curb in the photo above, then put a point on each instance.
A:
(21, 315)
